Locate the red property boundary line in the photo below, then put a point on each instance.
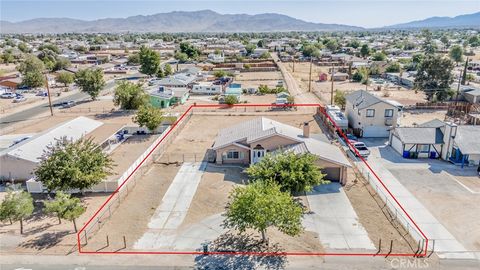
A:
(321, 110)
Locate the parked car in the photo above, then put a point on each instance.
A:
(351, 137)
(69, 104)
(361, 149)
(42, 93)
(8, 95)
(19, 98)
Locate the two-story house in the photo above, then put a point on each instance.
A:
(372, 116)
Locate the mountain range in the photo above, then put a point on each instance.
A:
(210, 21)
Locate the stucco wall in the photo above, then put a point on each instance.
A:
(18, 169)
(222, 155)
(273, 143)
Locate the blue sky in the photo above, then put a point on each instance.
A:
(374, 13)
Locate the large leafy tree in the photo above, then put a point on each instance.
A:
(167, 69)
(149, 61)
(364, 51)
(293, 172)
(129, 96)
(66, 78)
(340, 99)
(68, 165)
(261, 205)
(149, 117)
(64, 206)
(189, 50)
(456, 53)
(90, 81)
(434, 76)
(16, 206)
(32, 70)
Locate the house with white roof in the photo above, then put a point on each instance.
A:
(248, 142)
(20, 160)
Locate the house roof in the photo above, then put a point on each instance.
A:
(467, 139)
(259, 128)
(419, 135)
(435, 123)
(32, 149)
(362, 99)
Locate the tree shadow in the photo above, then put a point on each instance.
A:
(232, 242)
(45, 241)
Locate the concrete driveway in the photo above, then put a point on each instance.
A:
(442, 198)
(335, 220)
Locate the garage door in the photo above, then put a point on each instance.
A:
(375, 132)
(332, 174)
(397, 145)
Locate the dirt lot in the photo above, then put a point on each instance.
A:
(412, 117)
(323, 89)
(255, 79)
(43, 234)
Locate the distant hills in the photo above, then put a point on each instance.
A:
(177, 21)
(462, 21)
(210, 21)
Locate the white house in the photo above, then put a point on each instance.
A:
(19, 161)
(372, 116)
(206, 88)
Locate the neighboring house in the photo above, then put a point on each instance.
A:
(469, 93)
(20, 160)
(216, 58)
(371, 116)
(405, 79)
(12, 82)
(438, 139)
(206, 88)
(339, 76)
(258, 52)
(180, 80)
(423, 141)
(248, 142)
(164, 97)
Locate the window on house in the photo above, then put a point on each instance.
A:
(233, 155)
(389, 113)
(370, 112)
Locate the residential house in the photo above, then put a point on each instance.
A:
(438, 139)
(206, 88)
(164, 97)
(248, 142)
(340, 76)
(371, 116)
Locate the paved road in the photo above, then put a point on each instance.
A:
(42, 108)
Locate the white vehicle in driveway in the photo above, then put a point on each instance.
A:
(8, 95)
(361, 148)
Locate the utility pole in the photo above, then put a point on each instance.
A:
(366, 81)
(293, 68)
(49, 97)
(331, 90)
(310, 76)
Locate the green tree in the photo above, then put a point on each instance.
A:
(64, 206)
(231, 99)
(428, 45)
(393, 67)
(364, 51)
(456, 53)
(261, 205)
(129, 96)
(474, 41)
(23, 47)
(332, 45)
(134, 59)
(469, 78)
(434, 76)
(310, 51)
(293, 172)
(149, 117)
(31, 68)
(220, 73)
(61, 63)
(181, 57)
(249, 48)
(379, 56)
(265, 55)
(167, 69)
(189, 50)
(7, 57)
(48, 46)
(68, 165)
(90, 81)
(48, 57)
(357, 76)
(16, 206)
(66, 78)
(149, 60)
(339, 98)
(446, 42)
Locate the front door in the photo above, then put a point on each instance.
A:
(258, 153)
